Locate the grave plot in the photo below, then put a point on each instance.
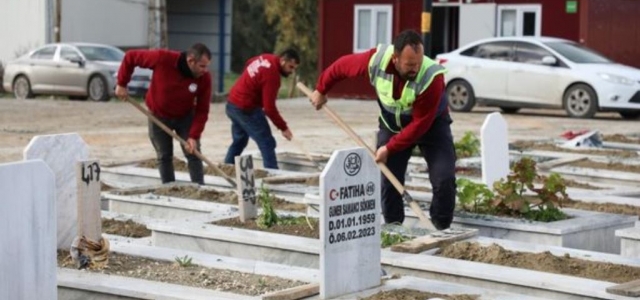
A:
(296, 161)
(181, 200)
(532, 269)
(145, 173)
(143, 272)
(629, 241)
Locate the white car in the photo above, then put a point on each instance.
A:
(539, 72)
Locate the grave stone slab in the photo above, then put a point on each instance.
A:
(246, 186)
(61, 152)
(27, 231)
(89, 215)
(350, 224)
(494, 145)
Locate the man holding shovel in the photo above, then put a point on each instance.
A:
(179, 97)
(252, 98)
(413, 112)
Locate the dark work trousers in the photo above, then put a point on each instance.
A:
(163, 144)
(251, 124)
(438, 151)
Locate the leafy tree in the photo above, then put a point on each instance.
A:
(252, 35)
(296, 23)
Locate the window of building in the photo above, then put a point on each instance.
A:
(519, 20)
(372, 26)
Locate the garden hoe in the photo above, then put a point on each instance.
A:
(182, 142)
(405, 195)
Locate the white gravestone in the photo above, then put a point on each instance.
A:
(27, 231)
(350, 224)
(494, 149)
(246, 186)
(61, 152)
(89, 215)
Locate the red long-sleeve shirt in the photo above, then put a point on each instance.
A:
(171, 94)
(425, 106)
(258, 87)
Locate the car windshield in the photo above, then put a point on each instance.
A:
(97, 53)
(577, 53)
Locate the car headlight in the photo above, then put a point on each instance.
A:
(616, 79)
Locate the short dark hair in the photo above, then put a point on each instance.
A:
(407, 37)
(290, 54)
(198, 50)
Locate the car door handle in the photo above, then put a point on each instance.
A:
(518, 71)
(475, 66)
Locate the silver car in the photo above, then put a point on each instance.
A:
(78, 70)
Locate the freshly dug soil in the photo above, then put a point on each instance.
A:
(192, 192)
(302, 229)
(620, 138)
(126, 228)
(606, 166)
(194, 275)
(545, 262)
(473, 172)
(531, 145)
(105, 187)
(621, 209)
(310, 181)
(181, 166)
(407, 294)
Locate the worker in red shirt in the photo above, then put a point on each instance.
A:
(413, 112)
(179, 97)
(251, 98)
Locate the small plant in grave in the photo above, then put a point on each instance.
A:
(388, 239)
(474, 197)
(184, 261)
(467, 146)
(269, 217)
(508, 196)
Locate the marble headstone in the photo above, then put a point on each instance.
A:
(349, 224)
(89, 215)
(494, 146)
(61, 152)
(246, 187)
(27, 231)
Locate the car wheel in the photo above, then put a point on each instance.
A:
(580, 101)
(510, 110)
(22, 88)
(460, 95)
(629, 115)
(97, 89)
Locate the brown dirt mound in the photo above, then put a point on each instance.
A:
(612, 208)
(302, 229)
(620, 138)
(179, 165)
(606, 166)
(126, 228)
(194, 275)
(531, 145)
(407, 294)
(192, 192)
(545, 262)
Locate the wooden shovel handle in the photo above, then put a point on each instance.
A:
(385, 170)
(182, 141)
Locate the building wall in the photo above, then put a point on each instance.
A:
(24, 26)
(336, 36)
(113, 22)
(556, 22)
(612, 27)
(191, 21)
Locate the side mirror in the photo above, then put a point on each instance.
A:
(549, 61)
(77, 60)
